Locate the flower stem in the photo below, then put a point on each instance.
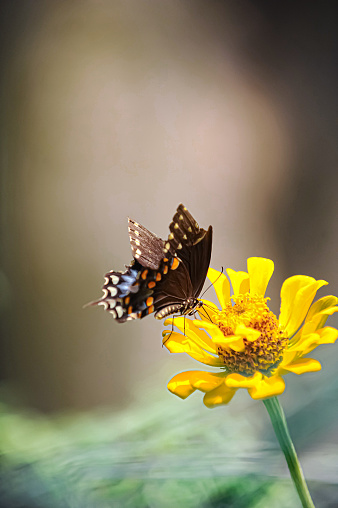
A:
(279, 424)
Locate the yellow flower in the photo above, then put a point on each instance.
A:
(245, 341)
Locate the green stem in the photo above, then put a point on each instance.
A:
(279, 424)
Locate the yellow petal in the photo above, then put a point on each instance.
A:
(221, 286)
(235, 341)
(315, 320)
(288, 356)
(311, 326)
(239, 381)
(177, 321)
(212, 329)
(185, 383)
(328, 335)
(297, 294)
(237, 344)
(319, 312)
(178, 343)
(188, 327)
(303, 365)
(267, 387)
(327, 303)
(260, 271)
(219, 396)
(247, 333)
(239, 281)
(308, 343)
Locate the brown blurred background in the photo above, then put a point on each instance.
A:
(117, 108)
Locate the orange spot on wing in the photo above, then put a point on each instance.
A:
(149, 301)
(130, 309)
(165, 260)
(158, 276)
(175, 264)
(165, 269)
(151, 309)
(151, 284)
(127, 300)
(144, 274)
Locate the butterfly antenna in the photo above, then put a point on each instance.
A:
(212, 283)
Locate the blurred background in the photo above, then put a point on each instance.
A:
(116, 108)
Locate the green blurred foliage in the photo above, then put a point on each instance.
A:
(156, 454)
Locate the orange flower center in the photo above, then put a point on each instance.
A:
(265, 353)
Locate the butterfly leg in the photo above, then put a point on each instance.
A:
(205, 310)
(172, 329)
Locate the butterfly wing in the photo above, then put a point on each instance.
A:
(192, 245)
(147, 248)
(162, 274)
(118, 289)
(199, 259)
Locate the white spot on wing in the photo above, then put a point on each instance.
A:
(113, 291)
(115, 279)
(105, 305)
(119, 311)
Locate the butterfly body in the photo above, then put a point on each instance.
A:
(186, 308)
(165, 277)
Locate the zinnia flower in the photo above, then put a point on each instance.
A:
(245, 341)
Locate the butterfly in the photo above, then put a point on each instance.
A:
(164, 277)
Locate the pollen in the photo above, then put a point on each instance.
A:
(266, 352)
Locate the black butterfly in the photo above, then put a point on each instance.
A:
(165, 277)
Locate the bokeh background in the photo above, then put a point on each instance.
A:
(115, 108)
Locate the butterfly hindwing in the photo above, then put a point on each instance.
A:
(116, 288)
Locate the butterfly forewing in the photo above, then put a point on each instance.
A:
(184, 230)
(199, 260)
(146, 247)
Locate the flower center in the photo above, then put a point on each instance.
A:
(265, 353)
